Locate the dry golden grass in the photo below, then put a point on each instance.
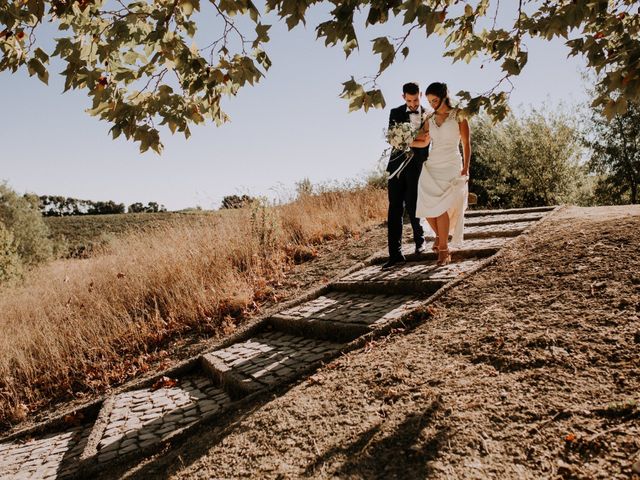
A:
(78, 326)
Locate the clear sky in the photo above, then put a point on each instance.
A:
(290, 126)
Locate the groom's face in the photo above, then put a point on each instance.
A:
(413, 101)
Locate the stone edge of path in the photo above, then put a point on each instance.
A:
(98, 428)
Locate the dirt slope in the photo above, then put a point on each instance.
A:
(529, 369)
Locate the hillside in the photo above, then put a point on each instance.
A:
(527, 369)
(519, 360)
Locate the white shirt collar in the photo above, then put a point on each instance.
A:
(420, 109)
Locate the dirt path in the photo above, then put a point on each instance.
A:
(528, 369)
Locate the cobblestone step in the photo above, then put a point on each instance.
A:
(476, 248)
(140, 420)
(266, 360)
(407, 279)
(341, 316)
(510, 211)
(53, 456)
(504, 218)
(510, 229)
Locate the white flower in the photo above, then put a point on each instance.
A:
(401, 135)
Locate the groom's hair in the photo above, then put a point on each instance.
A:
(411, 88)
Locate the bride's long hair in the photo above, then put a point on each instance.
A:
(441, 91)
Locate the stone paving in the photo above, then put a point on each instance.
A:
(290, 343)
(410, 272)
(48, 457)
(508, 211)
(343, 307)
(470, 246)
(510, 229)
(266, 360)
(141, 418)
(504, 218)
(343, 316)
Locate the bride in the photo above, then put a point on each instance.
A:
(442, 187)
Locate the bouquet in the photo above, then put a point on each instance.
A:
(400, 136)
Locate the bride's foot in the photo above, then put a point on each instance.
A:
(444, 257)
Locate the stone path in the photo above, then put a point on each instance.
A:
(280, 350)
(139, 419)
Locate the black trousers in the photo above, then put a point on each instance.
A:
(403, 195)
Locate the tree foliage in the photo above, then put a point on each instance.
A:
(61, 206)
(151, 207)
(615, 154)
(139, 65)
(237, 201)
(10, 264)
(26, 226)
(527, 161)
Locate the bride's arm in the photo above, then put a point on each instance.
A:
(465, 136)
(423, 139)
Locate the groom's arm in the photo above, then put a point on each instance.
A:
(393, 117)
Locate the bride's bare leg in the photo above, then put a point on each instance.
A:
(433, 223)
(444, 257)
(442, 223)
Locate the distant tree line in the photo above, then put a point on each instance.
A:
(60, 206)
(151, 207)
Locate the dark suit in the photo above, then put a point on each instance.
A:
(403, 189)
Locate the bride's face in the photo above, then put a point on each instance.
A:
(434, 101)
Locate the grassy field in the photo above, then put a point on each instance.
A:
(81, 234)
(80, 325)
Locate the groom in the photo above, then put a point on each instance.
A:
(403, 184)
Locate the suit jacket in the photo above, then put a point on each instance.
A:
(401, 115)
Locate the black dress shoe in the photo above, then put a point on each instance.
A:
(394, 261)
(420, 248)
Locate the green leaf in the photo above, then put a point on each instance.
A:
(116, 131)
(468, 10)
(511, 66)
(262, 34)
(35, 67)
(188, 6)
(350, 46)
(383, 47)
(36, 8)
(41, 55)
(377, 98)
(254, 14)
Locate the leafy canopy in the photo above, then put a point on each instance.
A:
(138, 62)
(615, 154)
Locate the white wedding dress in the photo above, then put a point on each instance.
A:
(441, 188)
